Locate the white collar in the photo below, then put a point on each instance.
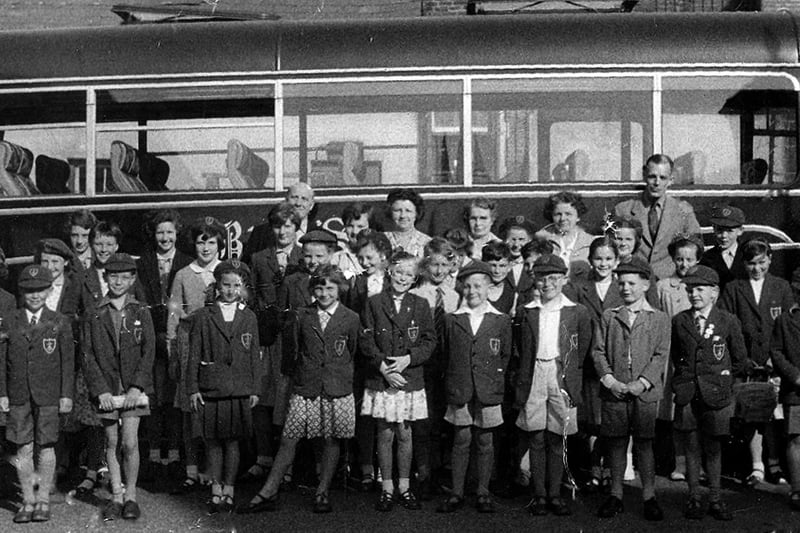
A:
(486, 309)
(169, 256)
(564, 302)
(331, 310)
(208, 268)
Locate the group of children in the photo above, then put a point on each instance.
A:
(370, 349)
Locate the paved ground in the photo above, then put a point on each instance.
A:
(761, 510)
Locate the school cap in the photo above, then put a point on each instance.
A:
(635, 265)
(54, 247)
(232, 265)
(517, 222)
(701, 275)
(727, 216)
(319, 235)
(120, 263)
(549, 264)
(34, 277)
(475, 267)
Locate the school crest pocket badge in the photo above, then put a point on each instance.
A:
(49, 345)
(339, 347)
(413, 333)
(137, 334)
(719, 351)
(247, 338)
(774, 312)
(494, 345)
(573, 341)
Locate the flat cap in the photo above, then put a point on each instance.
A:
(34, 277)
(319, 235)
(475, 267)
(549, 264)
(635, 265)
(701, 275)
(727, 216)
(518, 221)
(54, 247)
(232, 265)
(120, 263)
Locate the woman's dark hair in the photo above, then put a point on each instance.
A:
(495, 251)
(154, 218)
(407, 194)
(354, 211)
(82, 218)
(481, 202)
(564, 197)
(630, 223)
(281, 213)
(685, 242)
(377, 239)
(605, 241)
(209, 228)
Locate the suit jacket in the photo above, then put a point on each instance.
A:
(112, 366)
(582, 290)
(476, 364)
(574, 345)
(149, 289)
(357, 296)
(324, 360)
(785, 354)
(389, 333)
(677, 218)
(36, 362)
(629, 353)
(224, 359)
(706, 363)
(713, 259)
(8, 304)
(267, 280)
(758, 319)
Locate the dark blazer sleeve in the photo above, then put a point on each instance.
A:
(599, 350)
(370, 350)
(3, 363)
(143, 376)
(255, 353)
(585, 336)
(653, 372)
(66, 348)
(95, 381)
(740, 363)
(195, 351)
(422, 351)
(505, 341)
(780, 348)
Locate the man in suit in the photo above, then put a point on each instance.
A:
(726, 257)
(662, 216)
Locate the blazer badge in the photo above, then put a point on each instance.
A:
(494, 345)
(49, 345)
(247, 338)
(413, 333)
(719, 351)
(339, 346)
(774, 312)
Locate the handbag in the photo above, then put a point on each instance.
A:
(755, 401)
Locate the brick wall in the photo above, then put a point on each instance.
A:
(444, 7)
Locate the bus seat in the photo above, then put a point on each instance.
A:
(344, 164)
(125, 169)
(15, 168)
(690, 168)
(52, 175)
(246, 170)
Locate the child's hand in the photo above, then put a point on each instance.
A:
(3, 404)
(64, 405)
(131, 398)
(106, 403)
(617, 388)
(399, 364)
(635, 387)
(196, 400)
(253, 400)
(395, 380)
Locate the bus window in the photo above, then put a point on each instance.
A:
(198, 138)
(43, 138)
(730, 130)
(561, 129)
(373, 133)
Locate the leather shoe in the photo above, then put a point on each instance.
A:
(385, 502)
(652, 511)
(559, 507)
(611, 507)
(485, 504)
(321, 503)
(24, 514)
(719, 511)
(451, 504)
(112, 511)
(409, 501)
(131, 511)
(261, 505)
(694, 509)
(41, 512)
(538, 507)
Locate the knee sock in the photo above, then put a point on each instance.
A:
(460, 458)
(24, 463)
(617, 451)
(555, 463)
(713, 449)
(47, 468)
(647, 467)
(485, 460)
(538, 463)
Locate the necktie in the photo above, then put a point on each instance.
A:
(33, 320)
(653, 219)
(728, 257)
(438, 310)
(699, 323)
(324, 318)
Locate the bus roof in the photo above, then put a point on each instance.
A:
(423, 42)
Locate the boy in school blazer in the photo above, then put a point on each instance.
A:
(630, 351)
(726, 255)
(553, 337)
(707, 351)
(36, 384)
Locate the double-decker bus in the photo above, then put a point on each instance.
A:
(218, 119)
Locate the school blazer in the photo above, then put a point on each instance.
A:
(36, 362)
(706, 363)
(148, 282)
(785, 354)
(574, 345)
(713, 259)
(505, 303)
(388, 333)
(677, 218)
(629, 353)
(8, 304)
(267, 280)
(757, 319)
(115, 367)
(324, 361)
(476, 364)
(224, 358)
(357, 295)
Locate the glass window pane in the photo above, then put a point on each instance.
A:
(43, 143)
(177, 139)
(373, 133)
(730, 130)
(556, 130)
